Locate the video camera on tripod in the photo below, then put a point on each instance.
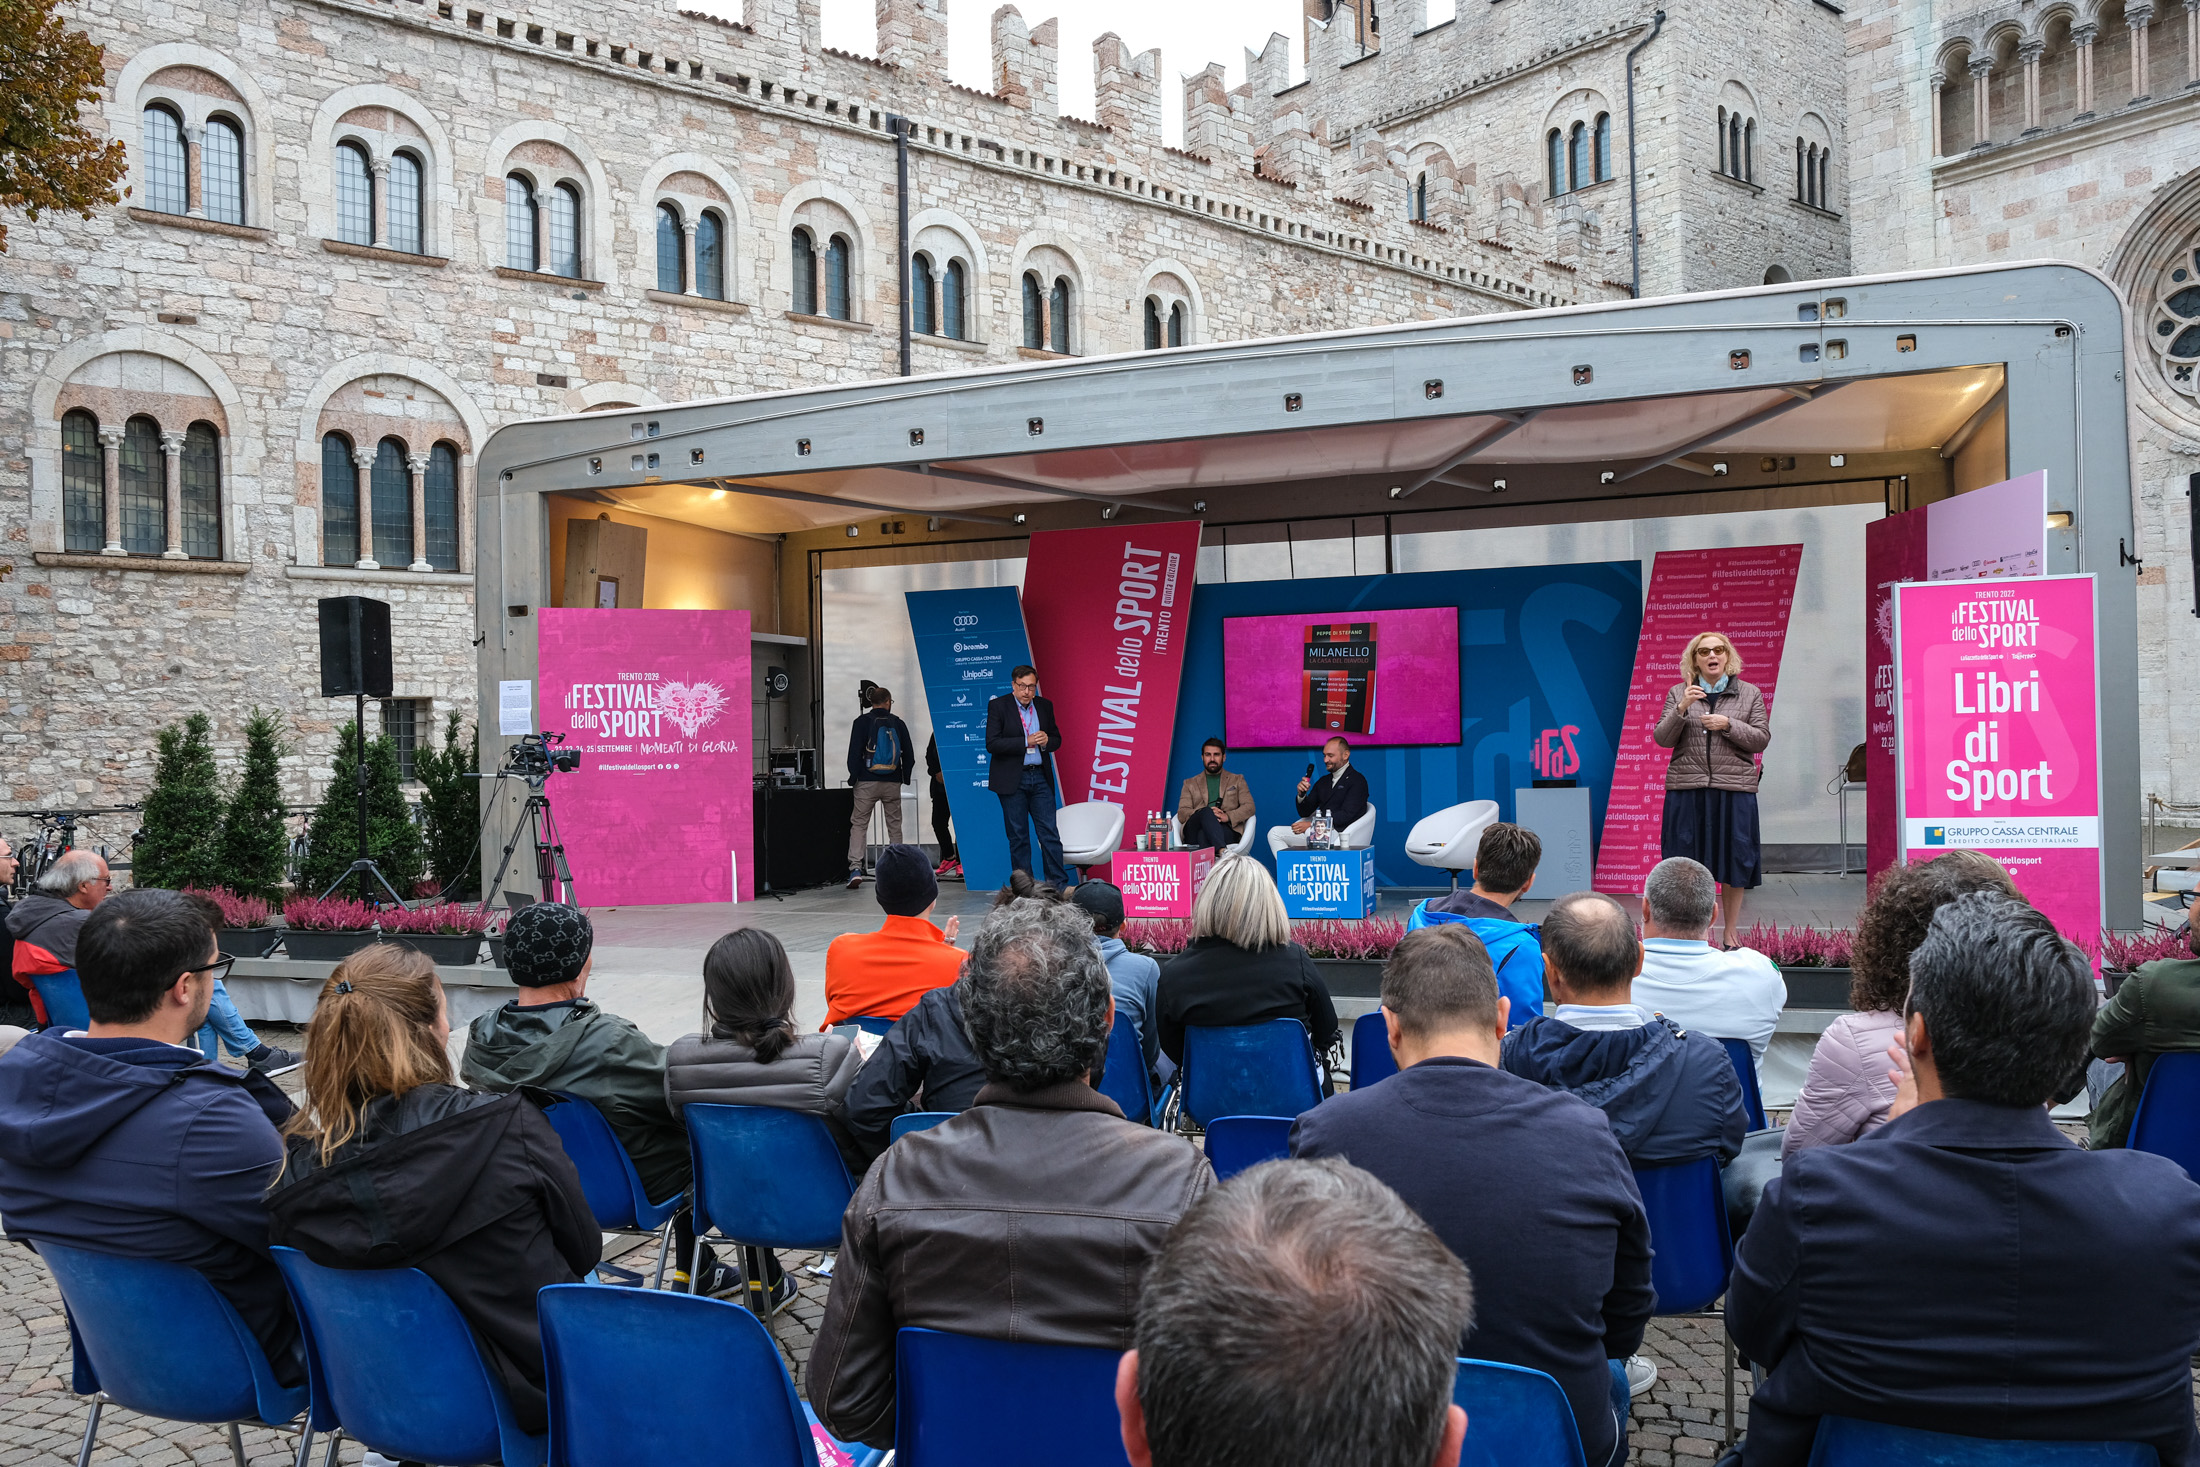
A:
(534, 758)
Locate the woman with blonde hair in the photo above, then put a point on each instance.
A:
(1716, 725)
(391, 1165)
(1241, 966)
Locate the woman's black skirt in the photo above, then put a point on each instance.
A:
(1717, 828)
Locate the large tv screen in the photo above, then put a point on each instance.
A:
(1375, 677)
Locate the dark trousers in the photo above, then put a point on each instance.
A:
(1033, 801)
(942, 831)
(1206, 828)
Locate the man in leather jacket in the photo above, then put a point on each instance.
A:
(1041, 1181)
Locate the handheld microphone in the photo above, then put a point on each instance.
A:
(1309, 771)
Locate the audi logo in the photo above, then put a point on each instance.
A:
(966, 621)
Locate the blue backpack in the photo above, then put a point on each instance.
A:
(884, 755)
(1515, 949)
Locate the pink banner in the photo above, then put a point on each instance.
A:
(1107, 611)
(1894, 551)
(658, 704)
(1375, 677)
(1743, 591)
(1999, 735)
(1160, 883)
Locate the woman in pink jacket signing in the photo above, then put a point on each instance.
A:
(1850, 1084)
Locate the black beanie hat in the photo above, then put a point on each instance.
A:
(905, 882)
(546, 944)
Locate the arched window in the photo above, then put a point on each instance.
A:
(221, 171)
(202, 492)
(167, 169)
(805, 273)
(1802, 171)
(392, 505)
(921, 294)
(142, 479)
(1825, 178)
(564, 231)
(83, 484)
(1577, 157)
(519, 227)
(339, 501)
(1153, 324)
(354, 195)
(710, 255)
(1058, 316)
(442, 507)
(1723, 168)
(1417, 198)
(1176, 324)
(1601, 144)
(1035, 325)
(406, 206)
(836, 278)
(1554, 146)
(671, 250)
(1734, 145)
(1777, 275)
(953, 318)
(1749, 150)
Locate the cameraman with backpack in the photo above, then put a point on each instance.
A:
(880, 761)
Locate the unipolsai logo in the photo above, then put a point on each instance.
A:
(692, 707)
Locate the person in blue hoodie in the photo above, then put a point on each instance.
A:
(1504, 869)
(125, 1139)
(1670, 1094)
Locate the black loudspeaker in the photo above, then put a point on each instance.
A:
(775, 682)
(355, 647)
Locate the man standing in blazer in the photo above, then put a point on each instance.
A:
(1020, 741)
(1214, 804)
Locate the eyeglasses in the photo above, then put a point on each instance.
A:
(219, 969)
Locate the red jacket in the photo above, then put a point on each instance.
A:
(884, 973)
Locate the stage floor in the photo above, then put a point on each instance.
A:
(649, 960)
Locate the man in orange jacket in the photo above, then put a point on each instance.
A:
(882, 974)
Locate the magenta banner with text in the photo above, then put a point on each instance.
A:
(1998, 731)
(1107, 610)
(658, 704)
(1743, 591)
(1894, 552)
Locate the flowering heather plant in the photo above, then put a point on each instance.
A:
(328, 914)
(237, 911)
(1157, 938)
(448, 918)
(2125, 951)
(1801, 946)
(1370, 941)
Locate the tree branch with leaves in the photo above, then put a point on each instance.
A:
(48, 158)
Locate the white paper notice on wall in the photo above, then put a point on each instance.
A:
(515, 707)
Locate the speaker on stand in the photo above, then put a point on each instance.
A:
(355, 663)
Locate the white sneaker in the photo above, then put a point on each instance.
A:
(1641, 1375)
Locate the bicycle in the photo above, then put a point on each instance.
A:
(55, 838)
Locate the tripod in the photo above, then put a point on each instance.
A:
(552, 871)
(364, 866)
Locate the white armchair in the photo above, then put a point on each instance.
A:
(1092, 831)
(1357, 836)
(1243, 845)
(1448, 838)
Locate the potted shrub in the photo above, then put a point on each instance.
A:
(1813, 961)
(449, 933)
(2122, 953)
(248, 927)
(326, 929)
(1350, 955)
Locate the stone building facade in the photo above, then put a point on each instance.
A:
(2070, 129)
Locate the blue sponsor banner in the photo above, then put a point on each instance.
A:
(1326, 883)
(967, 643)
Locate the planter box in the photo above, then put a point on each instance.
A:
(247, 942)
(326, 947)
(496, 950)
(444, 949)
(1817, 988)
(1351, 977)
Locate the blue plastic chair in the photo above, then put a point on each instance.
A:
(1845, 1442)
(1745, 1070)
(1123, 1078)
(765, 1178)
(1516, 1417)
(1692, 1253)
(1248, 1070)
(2167, 1121)
(1371, 1056)
(637, 1376)
(62, 995)
(1237, 1142)
(960, 1400)
(615, 1192)
(156, 1337)
(869, 1023)
(916, 1120)
(393, 1360)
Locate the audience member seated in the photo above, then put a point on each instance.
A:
(1301, 1316)
(1214, 804)
(1504, 868)
(1135, 977)
(1727, 995)
(393, 1165)
(752, 1053)
(1848, 1088)
(223, 1015)
(1525, 1184)
(124, 1139)
(2155, 1011)
(1042, 1182)
(1968, 1269)
(554, 1038)
(882, 974)
(44, 924)
(1241, 966)
(925, 1062)
(1670, 1093)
